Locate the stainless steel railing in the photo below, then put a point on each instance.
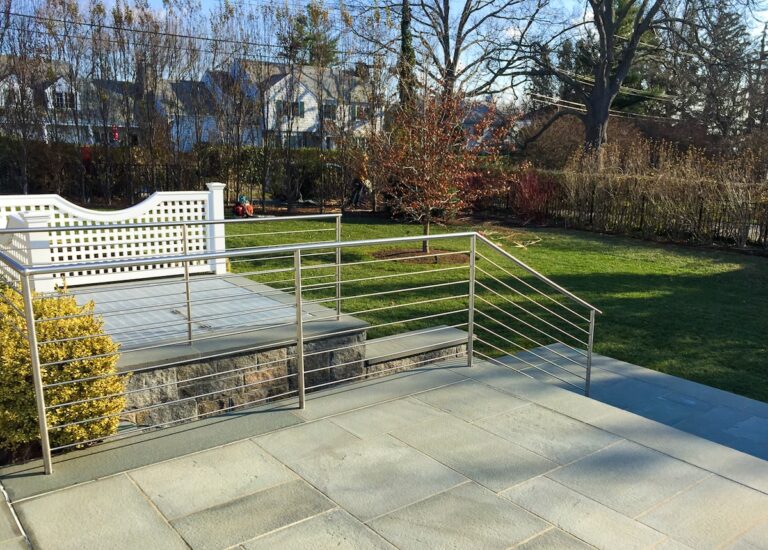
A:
(288, 319)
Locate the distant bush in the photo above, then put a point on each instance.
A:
(79, 336)
(655, 189)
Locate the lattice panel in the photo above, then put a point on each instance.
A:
(73, 246)
(14, 246)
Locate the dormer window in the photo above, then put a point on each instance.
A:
(63, 101)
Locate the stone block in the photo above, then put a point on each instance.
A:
(240, 520)
(709, 514)
(199, 481)
(588, 520)
(164, 415)
(335, 529)
(467, 516)
(406, 363)
(148, 387)
(108, 513)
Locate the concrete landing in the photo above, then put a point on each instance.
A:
(440, 457)
(723, 417)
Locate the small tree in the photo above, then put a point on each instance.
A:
(431, 161)
(74, 346)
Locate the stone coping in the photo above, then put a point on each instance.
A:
(321, 322)
(416, 342)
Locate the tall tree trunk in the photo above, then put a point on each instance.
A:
(596, 125)
(406, 84)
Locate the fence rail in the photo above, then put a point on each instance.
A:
(610, 203)
(284, 321)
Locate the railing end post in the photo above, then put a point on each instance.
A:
(37, 377)
(299, 329)
(588, 379)
(471, 305)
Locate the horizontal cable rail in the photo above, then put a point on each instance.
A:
(282, 320)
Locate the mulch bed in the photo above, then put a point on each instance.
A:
(418, 257)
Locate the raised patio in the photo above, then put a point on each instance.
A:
(443, 456)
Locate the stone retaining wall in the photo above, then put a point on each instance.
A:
(170, 395)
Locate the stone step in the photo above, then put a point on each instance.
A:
(413, 344)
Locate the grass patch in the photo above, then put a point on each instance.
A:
(694, 313)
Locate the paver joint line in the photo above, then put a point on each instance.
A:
(7, 503)
(714, 473)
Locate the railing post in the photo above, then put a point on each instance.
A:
(38, 244)
(338, 268)
(187, 291)
(299, 328)
(588, 379)
(37, 377)
(471, 307)
(216, 233)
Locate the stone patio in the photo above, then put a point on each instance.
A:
(439, 457)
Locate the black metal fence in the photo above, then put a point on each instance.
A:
(733, 216)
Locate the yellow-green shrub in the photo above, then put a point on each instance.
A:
(95, 356)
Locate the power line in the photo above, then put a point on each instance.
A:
(116, 28)
(563, 103)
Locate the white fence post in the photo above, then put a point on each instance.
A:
(38, 247)
(216, 233)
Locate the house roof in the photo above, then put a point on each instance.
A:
(326, 82)
(188, 96)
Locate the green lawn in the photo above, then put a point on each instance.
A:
(695, 313)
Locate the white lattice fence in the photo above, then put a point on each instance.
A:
(105, 236)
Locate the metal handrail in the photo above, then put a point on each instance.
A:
(536, 274)
(298, 252)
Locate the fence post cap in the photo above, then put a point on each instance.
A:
(35, 219)
(215, 186)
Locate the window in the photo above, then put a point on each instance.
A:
(297, 109)
(63, 100)
(358, 112)
(362, 112)
(11, 97)
(329, 110)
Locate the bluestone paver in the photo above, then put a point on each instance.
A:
(8, 528)
(548, 433)
(375, 476)
(202, 480)
(25, 480)
(109, 513)
(628, 477)
(386, 417)
(554, 539)
(709, 514)
(671, 408)
(335, 529)
(547, 395)
(467, 516)
(734, 428)
(488, 459)
(581, 516)
(398, 385)
(754, 539)
(470, 400)
(18, 543)
(246, 518)
(629, 394)
(306, 440)
(707, 455)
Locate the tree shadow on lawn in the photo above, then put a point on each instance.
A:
(708, 328)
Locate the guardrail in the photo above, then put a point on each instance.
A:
(286, 322)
